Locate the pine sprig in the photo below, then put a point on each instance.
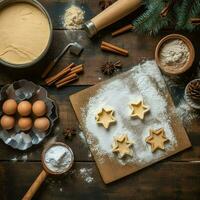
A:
(178, 16)
(151, 20)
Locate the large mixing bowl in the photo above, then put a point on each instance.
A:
(5, 3)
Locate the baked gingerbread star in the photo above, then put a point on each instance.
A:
(157, 139)
(105, 117)
(138, 109)
(122, 146)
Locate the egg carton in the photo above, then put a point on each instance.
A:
(26, 90)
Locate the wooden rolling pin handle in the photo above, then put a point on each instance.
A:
(35, 186)
(113, 13)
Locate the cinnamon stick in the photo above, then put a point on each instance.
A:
(77, 69)
(66, 82)
(123, 30)
(67, 78)
(195, 21)
(49, 81)
(112, 48)
(105, 48)
(165, 10)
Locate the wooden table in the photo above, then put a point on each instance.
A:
(175, 178)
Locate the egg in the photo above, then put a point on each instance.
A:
(42, 124)
(9, 107)
(39, 108)
(7, 122)
(25, 123)
(24, 108)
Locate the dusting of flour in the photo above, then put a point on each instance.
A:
(143, 82)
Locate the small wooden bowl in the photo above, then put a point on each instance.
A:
(43, 158)
(173, 70)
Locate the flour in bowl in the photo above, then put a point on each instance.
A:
(58, 159)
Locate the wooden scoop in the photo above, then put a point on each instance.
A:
(46, 171)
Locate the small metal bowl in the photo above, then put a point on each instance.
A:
(172, 70)
(35, 3)
(26, 90)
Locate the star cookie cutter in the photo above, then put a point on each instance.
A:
(105, 117)
(157, 139)
(122, 146)
(139, 109)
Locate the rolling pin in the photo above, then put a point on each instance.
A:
(110, 15)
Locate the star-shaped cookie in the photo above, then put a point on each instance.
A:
(105, 117)
(138, 109)
(122, 146)
(157, 139)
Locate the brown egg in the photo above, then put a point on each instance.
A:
(42, 124)
(9, 107)
(7, 122)
(25, 123)
(24, 108)
(39, 108)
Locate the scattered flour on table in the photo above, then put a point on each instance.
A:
(86, 174)
(73, 18)
(14, 159)
(117, 95)
(186, 113)
(50, 141)
(83, 139)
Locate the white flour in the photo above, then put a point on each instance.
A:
(73, 17)
(186, 113)
(174, 53)
(117, 95)
(58, 158)
(86, 174)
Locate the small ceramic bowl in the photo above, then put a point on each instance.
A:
(171, 70)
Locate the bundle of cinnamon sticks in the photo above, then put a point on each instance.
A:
(65, 76)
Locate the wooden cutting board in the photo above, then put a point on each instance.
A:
(143, 81)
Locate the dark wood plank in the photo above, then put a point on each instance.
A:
(166, 180)
(92, 57)
(68, 120)
(140, 48)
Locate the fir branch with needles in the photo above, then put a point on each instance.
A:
(160, 14)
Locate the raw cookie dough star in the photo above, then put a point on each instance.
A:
(122, 146)
(157, 139)
(105, 117)
(138, 109)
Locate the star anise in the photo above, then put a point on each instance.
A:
(69, 133)
(109, 67)
(105, 3)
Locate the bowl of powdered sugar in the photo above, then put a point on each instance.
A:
(174, 54)
(58, 158)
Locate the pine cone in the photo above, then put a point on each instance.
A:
(193, 91)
